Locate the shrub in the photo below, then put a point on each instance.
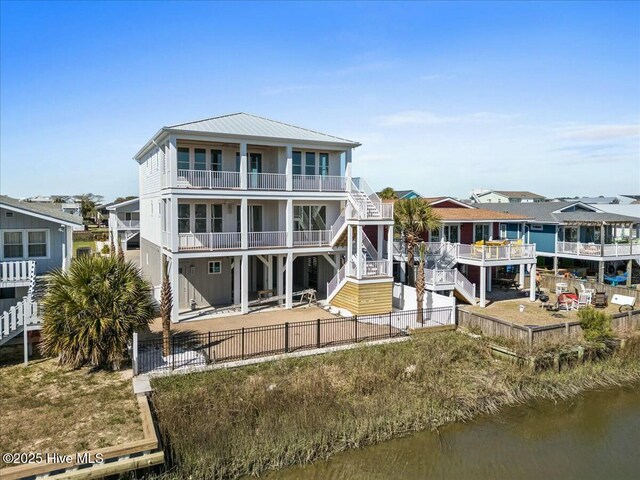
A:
(92, 310)
(596, 325)
(105, 249)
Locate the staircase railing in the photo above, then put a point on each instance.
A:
(371, 250)
(17, 318)
(463, 283)
(334, 283)
(337, 227)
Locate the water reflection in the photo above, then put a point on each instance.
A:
(596, 436)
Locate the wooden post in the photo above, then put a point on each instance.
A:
(286, 337)
(530, 336)
(318, 333)
(209, 345)
(355, 326)
(242, 345)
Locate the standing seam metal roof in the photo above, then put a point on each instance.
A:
(253, 125)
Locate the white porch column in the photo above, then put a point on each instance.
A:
(243, 165)
(390, 248)
(289, 281)
(289, 215)
(359, 251)
(629, 271)
(601, 272)
(172, 154)
(532, 283)
(521, 275)
(173, 228)
(289, 168)
(489, 279)
(244, 287)
(347, 164)
(483, 286)
(236, 279)
(174, 281)
(380, 242)
(403, 271)
(280, 273)
(555, 265)
(349, 249)
(269, 271)
(244, 224)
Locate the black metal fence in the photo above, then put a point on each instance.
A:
(188, 350)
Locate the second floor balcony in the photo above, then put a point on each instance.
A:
(230, 180)
(255, 240)
(598, 250)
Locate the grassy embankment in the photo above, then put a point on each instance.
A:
(47, 408)
(229, 423)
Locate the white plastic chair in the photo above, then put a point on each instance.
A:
(584, 300)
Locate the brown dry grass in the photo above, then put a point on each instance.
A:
(505, 306)
(46, 408)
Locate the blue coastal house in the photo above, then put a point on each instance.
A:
(577, 236)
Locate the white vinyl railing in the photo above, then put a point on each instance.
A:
(208, 179)
(209, 241)
(267, 239)
(128, 224)
(320, 183)
(312, 238)
(463, 284)
(435, 277)
(366, 202)
(337, 226)
(23, 314)
(375, 268)
(267, 181)
(513, 251)
(17, 272)
(334, 283)
(598, 250)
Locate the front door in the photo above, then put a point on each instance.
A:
(255, 169)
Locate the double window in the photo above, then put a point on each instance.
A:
(24, 244)
(206, 218)
(215, 267)
(482, 231)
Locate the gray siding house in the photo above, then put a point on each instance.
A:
(32, 232)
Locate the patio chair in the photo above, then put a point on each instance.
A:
(600, 300)
(565, 302)
(583, 300)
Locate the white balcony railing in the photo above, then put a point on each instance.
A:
(435, 277)
(320, 183)
(209, 241)
(267, 239)
(14, 273)
(375, 268)
(513, 251)
(598, 250)
(208, 179)
(128, 224)
(312, 238)
(267, 181)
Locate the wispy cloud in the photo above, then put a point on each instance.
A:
(279, 90)
(597, 133)
(423, 117)
(366, 67)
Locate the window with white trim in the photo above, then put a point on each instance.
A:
(12, 243)
(184, 218)
(37, 244)
(216, 218)
(200, 225)
(215, 267)
(216, 160)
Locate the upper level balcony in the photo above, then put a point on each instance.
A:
(480, 253)
(599, 250)
(221, 180)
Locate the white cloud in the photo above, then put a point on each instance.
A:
(598, 133)
(423, 117)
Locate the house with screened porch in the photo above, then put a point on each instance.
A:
(247, 213)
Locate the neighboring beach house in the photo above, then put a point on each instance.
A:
(34, 239)
(505, 196)
(466, 250)
(250, 212)
(124, 224)
(575, 235)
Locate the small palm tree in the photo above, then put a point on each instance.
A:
(420, 283)
(92, 310)
(388, 194)
(412, 217)
(112, 247)
(166, 303)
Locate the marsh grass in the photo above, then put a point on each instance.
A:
(230, 423)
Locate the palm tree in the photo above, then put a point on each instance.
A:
(412, 217)
(420, 282)
(92, 310)
(166, 303)
(388, 194)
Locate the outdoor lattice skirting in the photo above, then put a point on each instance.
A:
(195, 351)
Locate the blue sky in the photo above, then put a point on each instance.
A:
(444, 97)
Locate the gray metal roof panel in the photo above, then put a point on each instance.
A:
(50, 210)
(547, 212)
(246, 124)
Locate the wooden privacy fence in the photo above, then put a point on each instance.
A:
(533, 335)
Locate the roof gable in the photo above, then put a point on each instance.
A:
(51, 212)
